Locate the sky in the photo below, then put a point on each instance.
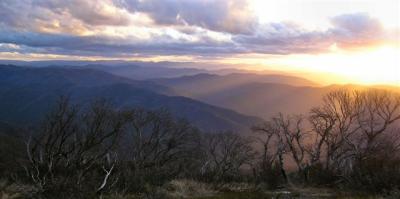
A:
(349, 41)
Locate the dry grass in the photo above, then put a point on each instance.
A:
(175, 189)
(187, 189)
(13, 190)
(238, 187)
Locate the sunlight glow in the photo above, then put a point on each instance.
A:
(374, 66)
(291, 36)
(378, 64)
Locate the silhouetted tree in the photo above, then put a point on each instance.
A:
(72, 146)
(159, 147)
(226, 154)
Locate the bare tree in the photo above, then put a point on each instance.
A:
(333, 124)
(291, 130)
(72, 144)
(380, 109)
(290, 139)
(158, 145)
(352, 138)
(265, 134)
(226, 154)
(322, 125)
(273, 149)
(351, 127)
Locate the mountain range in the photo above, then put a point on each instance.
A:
(253, 94)
(213, 100)
(26, 94)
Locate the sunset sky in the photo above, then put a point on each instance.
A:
(349, 41)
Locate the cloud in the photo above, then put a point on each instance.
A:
(124, 28)
(348, 32)
(357, 30)
(90, 12)
(284, 38)
(8, 47)
(233, 16)
(109, 46)
(67, 16)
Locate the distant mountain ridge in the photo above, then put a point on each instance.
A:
(268, 99)
(27, 93)
(204, 84)
(260, 95)
(80, 77)
(253, 94)
(140, 70)
(143, 73)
